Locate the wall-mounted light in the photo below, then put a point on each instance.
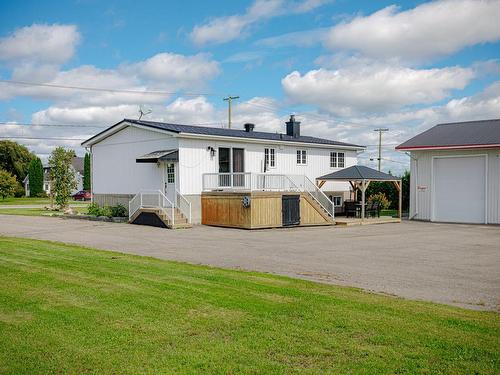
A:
(211, 150)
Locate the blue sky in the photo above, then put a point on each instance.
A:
(345, 67)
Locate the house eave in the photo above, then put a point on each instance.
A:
(451, 147)
(268, 141)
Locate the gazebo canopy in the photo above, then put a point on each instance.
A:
(360, 177)
(358, 173)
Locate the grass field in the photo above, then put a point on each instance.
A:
(23, 200)
(38, 211)
(67, 309)
(31, 201)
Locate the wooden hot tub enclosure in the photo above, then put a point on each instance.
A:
(279, 203)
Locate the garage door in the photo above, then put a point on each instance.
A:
(459, 189)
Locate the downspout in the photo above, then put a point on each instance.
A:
(416, 184)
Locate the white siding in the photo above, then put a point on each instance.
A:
(114, 169)
(194, 160)
(421, 176)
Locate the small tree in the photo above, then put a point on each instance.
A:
(86, 172)
(8, 184)
(35, 173)
(62, 175)
(381, 199)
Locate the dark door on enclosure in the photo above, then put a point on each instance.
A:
(291, 210)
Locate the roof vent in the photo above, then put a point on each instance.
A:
(293, 127)
(249, 127)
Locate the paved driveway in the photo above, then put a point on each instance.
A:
(453, 264)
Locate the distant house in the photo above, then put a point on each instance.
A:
(76, 164)
(455, 172)
(183, 161)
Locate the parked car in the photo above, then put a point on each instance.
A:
(82, 195)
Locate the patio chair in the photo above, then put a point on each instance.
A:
(369, 209)
(350, 208)
(375, 209)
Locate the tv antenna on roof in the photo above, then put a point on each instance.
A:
(144, 111)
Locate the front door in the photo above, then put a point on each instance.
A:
(170, 181)
(290, 210)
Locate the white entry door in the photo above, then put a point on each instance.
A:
(170, 181)
(459, 189)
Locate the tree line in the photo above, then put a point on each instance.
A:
(17, 162)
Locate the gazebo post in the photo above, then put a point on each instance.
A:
(400, 198)
(363, 189)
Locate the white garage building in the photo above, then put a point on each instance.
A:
(455, 173)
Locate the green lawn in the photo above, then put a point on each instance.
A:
(38, 211)
(67, 309)
(30, 201)
(23, 201)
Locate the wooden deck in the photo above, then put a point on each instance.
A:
(225, 209)
(343, 221)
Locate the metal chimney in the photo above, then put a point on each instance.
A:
(249, 127)
(293, 127)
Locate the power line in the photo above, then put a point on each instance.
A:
(103, 126)
(148, 92)
(45, 138)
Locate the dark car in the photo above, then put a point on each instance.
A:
(82, 195)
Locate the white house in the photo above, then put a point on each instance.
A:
(455, 172)
(136, 155)
(76, 164)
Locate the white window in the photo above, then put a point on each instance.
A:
(270, 157)
(301, 157)
(340, 160)
(337, 200)
(337, 159)
(333, 159)
(170, 173)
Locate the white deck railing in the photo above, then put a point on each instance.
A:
(152, 199)
(157, 199)
(266, 182)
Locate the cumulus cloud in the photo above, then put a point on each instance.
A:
(177, 71)
(225, 29)
(47, 44)
(165, 72)
(373, 88)
(429, 30)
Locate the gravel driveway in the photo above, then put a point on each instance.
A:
(448, 263)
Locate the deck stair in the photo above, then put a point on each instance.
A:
(155, 209)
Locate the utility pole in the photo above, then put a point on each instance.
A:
(229, 99)
(380, 130)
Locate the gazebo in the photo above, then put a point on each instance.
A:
(360, 177)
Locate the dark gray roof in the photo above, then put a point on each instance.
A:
(77, 163)
(162, 155)
(358, 173)
(470, 133)
(204, 130)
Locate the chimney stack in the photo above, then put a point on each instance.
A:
(293, 127)
(249, 127)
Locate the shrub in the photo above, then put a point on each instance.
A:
(94, 209)
(119, 211)
(109, 211)
(381, 199)
(8, 184)
(106, 211)
(19, 191)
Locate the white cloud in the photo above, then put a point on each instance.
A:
(373, 88)
(307, 38)
(429, 30)
(225, 29)
(165, 72)
(47, 44)
(178, 71)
